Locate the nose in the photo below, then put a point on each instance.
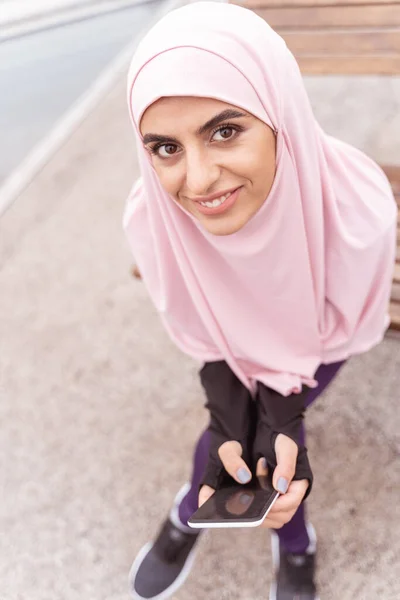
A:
(201, 172)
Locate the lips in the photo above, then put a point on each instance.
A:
(216, 205)
(217, 202)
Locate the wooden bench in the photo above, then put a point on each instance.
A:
(347, 37)
(393, 174)
(337, 36)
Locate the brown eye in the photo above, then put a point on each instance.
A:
(224, 133)
(166, 150)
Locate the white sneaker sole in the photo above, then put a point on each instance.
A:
(187, 567)
(276, 556)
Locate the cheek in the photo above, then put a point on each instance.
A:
(264, 175)
(255, 161)
(169, 179)
(261, 166)
(252, 167)
(241, 162)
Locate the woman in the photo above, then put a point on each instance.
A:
(266, 246)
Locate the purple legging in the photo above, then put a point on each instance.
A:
(293, 535)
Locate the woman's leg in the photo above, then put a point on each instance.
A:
(189, 504)
(293, 535)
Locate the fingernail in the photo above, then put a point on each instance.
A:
(263, 463)
(282, 485)
(243, 475)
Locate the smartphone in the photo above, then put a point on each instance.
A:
(236, 505)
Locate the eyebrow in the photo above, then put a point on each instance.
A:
(210, 124)
(225, 115)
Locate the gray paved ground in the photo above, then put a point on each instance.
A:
(99, 411)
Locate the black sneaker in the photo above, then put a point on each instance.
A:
(162, 566)
(294, 573)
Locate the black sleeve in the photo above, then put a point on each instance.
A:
(279, 414)
(232, 414)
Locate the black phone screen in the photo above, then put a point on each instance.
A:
(235, 505)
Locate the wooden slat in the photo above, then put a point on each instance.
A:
(349, 37)
(393, 174)
(395, 297)
(365, 65)
(394, 311)
(396, 276)
(329, 17)
(345, 43)
(256, 4)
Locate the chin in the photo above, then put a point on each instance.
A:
(224, 227)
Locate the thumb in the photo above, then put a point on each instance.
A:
(205, 493)
(286, 451)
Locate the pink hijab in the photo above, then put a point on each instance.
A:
(307, 280)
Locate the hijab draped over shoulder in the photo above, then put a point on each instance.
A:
(307, 280)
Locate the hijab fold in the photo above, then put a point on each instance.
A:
(307, 280)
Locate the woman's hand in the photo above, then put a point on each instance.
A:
(281, 418)
(287, 504)
(243, 430)
(230, 454)
(292, 491)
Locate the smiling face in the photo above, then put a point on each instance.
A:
(216, 160)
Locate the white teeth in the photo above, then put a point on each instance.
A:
(216, 202)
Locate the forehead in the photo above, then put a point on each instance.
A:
(185, 112)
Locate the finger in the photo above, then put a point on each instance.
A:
(262, 474)
(286, 456)
(292, 499)
(261, 468)
(271, 524)
(230, 454)
(205, 493)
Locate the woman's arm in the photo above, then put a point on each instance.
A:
(232, 416)
(254, 425)
(277, 414)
